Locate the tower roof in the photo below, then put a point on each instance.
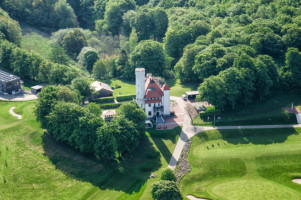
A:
(165, 87)
(152, 90)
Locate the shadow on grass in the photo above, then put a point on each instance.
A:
(159, 135)
(254, 136)
(128, 176)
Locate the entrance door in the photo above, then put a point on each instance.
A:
(158, 114)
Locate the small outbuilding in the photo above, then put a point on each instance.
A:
(36, 89)
(108, 115)
(9, 83)
(192, 94)
(101, 89)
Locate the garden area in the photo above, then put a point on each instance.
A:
(240, 164)
(32, 159)
(267, 112)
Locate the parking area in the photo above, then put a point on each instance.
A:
(22, 96)
(176, 120)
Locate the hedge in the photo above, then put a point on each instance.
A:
(126, 97)
(109, 106)
(103, 100)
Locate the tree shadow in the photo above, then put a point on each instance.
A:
(257, 136)
(128, 176)
(159, 135)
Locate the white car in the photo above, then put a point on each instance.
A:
(184, 97)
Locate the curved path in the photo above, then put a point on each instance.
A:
(11, 111)
(189, 131)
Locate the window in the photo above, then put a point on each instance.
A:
(149, 113)
(149, 105)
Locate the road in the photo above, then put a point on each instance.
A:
(189, 131)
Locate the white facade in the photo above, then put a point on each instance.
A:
(140, 86)
(166, 103)
(153, 105)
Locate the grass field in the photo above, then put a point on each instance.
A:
(269, 111)
(129, 87)
(34, 166)
(244, 164)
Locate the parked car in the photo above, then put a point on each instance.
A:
(200, 108)
(184, 97)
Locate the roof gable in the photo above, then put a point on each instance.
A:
(152, 89)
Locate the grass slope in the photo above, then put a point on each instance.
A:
(33, 165)
(244, 164)
(269, 111)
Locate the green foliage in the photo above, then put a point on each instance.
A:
(164, 190)
(149, 55)
(9, 29)
(90, 57)
(82, 85)
(110, 106)
(104, 100)
(58, 55)
(168, 175)
(73, 42)
(126, 97)
(67, 95)
(99, 69)
(94, 108)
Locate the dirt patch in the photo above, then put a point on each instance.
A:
(297, 180)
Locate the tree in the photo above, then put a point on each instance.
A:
(45, 103)
(263, 82)
(293, 65)
(105, 145)
(134, 113)
(91, 57)
(67, 95)
(99, 69)
(58, 55)
(214, 91)
(160, 19)
(81, 84)
(149, 54)
(168, 175)
(73, 42)
(94, 108)
(165, 190)
(233, 80)
(65, 14)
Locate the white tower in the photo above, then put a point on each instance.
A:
(140, 86)
(166, 100)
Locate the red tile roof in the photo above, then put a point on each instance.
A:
(152, 90)
(165, 87)
(153, 101)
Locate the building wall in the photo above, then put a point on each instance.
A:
(166, 102)
(11, 87)
(140, 87)
(151, 110)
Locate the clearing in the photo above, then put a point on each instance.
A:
(244, 164)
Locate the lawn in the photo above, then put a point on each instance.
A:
(129, 87)
(244, 164)
(33, 165)
(269, 111)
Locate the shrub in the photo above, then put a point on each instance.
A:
(168, 175)
(125, 97)
(109, 106)
(165, 190)
(103, 100)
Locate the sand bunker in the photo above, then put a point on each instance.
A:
(194, 198)
(297, 180)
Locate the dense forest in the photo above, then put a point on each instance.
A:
(238, 51)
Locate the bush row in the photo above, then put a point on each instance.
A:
(126, 97)
(103, 100)
(109, 106)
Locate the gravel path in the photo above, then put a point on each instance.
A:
(11, 111)
(194, 198)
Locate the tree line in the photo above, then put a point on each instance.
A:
(82, 128)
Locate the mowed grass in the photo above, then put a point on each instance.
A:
(269, 111)
(34, 166)
(244, 164)
(129, 87)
